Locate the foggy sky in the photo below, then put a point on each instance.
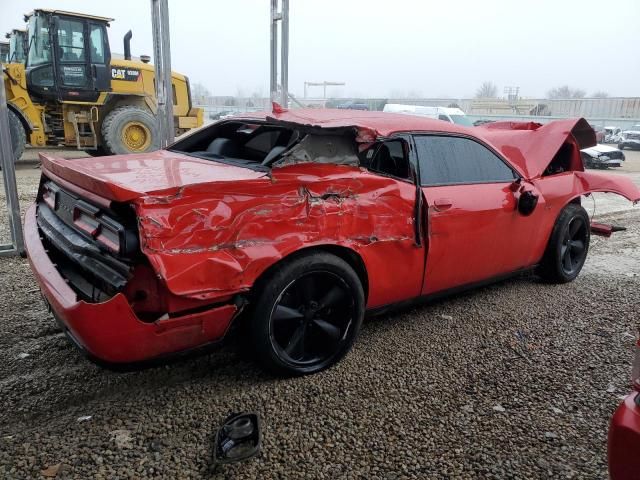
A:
(387, 48)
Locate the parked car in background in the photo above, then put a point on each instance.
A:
(451, 115)
(293, 224)
(353, 105)
(222, 114)
(602, 156)
(611, 134)
(624, 431)
(630, 138)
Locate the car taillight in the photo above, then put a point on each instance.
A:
(635, 368)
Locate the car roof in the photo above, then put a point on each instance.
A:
(379, 124)
(528, 146)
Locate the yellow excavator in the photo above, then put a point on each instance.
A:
(70, 90)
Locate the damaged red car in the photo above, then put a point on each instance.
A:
(624, 431)
(294, 224)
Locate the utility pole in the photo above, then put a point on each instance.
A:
(16, 247)
(281, 16)
(162, 61)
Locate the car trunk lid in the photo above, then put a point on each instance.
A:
(124, 178)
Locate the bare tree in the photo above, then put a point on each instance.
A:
(600, 94)
(200, 92)
(566, 91)
(487, 90)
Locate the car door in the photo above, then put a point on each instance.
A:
(99, 57)
(72, 60)
(474, 231)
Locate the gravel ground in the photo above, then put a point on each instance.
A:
(516, 380)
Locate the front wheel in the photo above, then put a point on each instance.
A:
(307, 315)
(568, 246)
(18, 136)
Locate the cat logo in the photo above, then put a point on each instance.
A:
(126, 74)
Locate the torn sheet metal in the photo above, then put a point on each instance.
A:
(335, 149)
(531, 147)
(217, 240)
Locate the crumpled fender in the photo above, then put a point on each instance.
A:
(211, 243)
(601, 182)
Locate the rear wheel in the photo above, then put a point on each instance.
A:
(620, 147)
(130, 129)
(568, 246)
(307, 315)
(18, 136)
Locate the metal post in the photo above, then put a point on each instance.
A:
(16, 247)
(283, 18)
(273, 78)
(284, 53)
(162, 59)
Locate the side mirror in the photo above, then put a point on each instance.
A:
(238, 439)
(527, 202)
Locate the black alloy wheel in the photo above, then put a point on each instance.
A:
(568, 246)
(307, 314)
(311, 318)
(573, 249)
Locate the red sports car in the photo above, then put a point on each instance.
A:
(293, 224)
(624, 432)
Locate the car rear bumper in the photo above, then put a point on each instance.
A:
(110, 332)
(624, 440)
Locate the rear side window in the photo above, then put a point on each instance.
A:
(388, 158)
(455, 160)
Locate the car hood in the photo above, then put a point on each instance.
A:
(599, 149)
(531, 146)
(124, 178)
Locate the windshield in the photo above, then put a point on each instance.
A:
(461, 120)
(39, 44)
(16, 49)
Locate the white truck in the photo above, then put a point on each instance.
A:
(452, 115)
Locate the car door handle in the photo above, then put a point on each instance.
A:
(442, 204)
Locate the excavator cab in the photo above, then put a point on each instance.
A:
(68, 56)
(17, 46)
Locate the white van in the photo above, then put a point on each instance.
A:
(452, 115)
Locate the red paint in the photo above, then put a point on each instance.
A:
(601, 229)
(209, 230)
(110, 330)
(624, 440)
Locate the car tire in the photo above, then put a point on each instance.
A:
(307, 314)
(568, 246)
(620, 146)
(130, 129)
(18, 136)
